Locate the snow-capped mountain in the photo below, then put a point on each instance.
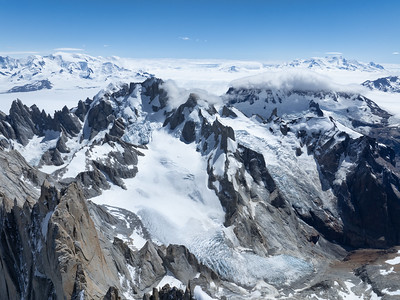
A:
(71, 76)
(61, 68)
(386, 84)
(335, 63)
(67, 70)
(259, 193)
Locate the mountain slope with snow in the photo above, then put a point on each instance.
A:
(79, 76)
(251, 194)
(386, 84)
(335, 62)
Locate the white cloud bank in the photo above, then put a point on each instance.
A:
(301, 80)
(178, 95)
(396, 53)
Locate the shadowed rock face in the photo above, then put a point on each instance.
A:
(53, 249)
(367, 199)
(50, 247)
(23, 123)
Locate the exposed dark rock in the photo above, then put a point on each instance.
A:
(52, 157)
(222, 132)
(82, 109)
(277, 200)
(116, 172)
(118, 128)
(298, 151)
(150, 265)
(61, 144)
(167, 293)
(51, 248)
(184, 265)
(255, 164)
(112, 294)
(21, 121)
(68, 121)
(178, 116)
(314, 107)
(284, 129)
(227, 112)
(188, 132)
(92, 183)
(156, 295)
(153, 89)
(367, 199)
(146, 296)
(99, 117)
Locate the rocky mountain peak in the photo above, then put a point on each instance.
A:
(272, 184)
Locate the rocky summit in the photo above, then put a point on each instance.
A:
(148, 191)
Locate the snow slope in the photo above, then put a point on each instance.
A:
(171, 196)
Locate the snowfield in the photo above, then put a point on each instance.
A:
(171, 197)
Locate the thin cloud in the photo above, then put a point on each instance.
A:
(333, 53)
(106, 46)
(68, 49)
(396, 53)
(184, 38)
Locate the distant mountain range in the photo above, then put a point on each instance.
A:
(60, 69)
(335, 63)
(66, 70)
(384, 84)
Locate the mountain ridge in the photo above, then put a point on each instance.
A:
(274, 185)
(384, 84)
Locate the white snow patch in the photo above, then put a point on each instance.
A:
(391, 293)
(35, 148)
(172, 281)
(394, 261)
(345, 167)
(77, 164)
(199, 294)
(219, 165)
(387, 272)
(132, 271)
(170, 192)
(137, 240)
(349, 295)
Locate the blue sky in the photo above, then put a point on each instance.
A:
(266, 30)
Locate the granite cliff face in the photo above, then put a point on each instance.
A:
(301, 178)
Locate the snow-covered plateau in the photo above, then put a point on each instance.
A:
(195, 179)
